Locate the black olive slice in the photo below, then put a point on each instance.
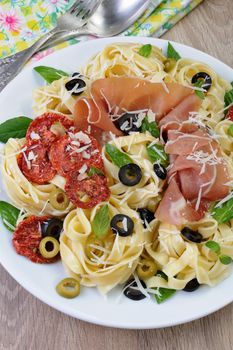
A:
(202, 76)
(130, 174)
(122, 225)
(192, 285)
(160, 171)
(52, 227)
(134, 294)
(75, 85)
(76, 74)
(146, 216)
(128, 123)
(191, 235)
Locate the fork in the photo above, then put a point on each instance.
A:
(75, 18)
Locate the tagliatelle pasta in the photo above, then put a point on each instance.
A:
(107, 260)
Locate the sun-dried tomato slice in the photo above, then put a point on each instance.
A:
(69, 152)
(35, 164)
(88, 192)
(39, 129)
(27, 237)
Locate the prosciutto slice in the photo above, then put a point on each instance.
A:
(112, 97)
(198, 174)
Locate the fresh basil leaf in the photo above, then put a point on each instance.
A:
(50, 74)
(101, 223)
(230, 130)
(162, 274)
(164, 294)
(15, 127)
(172, 53)
(214, 246)
(156, 153)
(9, 215)
(225, 259)
(199, 93)
(152, 127)
(93, 170)
(228, 98)
(145, 50)
(118, 158)
(223, 213)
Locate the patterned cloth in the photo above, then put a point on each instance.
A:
(22, 22)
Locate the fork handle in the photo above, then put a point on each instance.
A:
(12, 65)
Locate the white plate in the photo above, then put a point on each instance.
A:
(40, 280)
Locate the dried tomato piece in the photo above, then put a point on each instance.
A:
(35, 164)
(39, 129)
(69, 153)
(27, 237)
(88, 192)
(230, 113)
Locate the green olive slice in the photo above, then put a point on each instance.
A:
(169, 64)
(49, 247)
(146, 269)
(68, 288)
(58, 199)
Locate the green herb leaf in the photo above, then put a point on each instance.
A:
(156, 153)
(228, 98)
(230, 130)
(50, 74)
(9, 215)
(101, 223)
(225, 259)
(118, 158)
(145, 50)
(152, 127)
(93, 170)
(164, 294)
(15, 127)
(172, 53)
(224, 213)
(214, 246)
(200, 94)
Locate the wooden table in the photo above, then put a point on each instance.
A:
(26, 323)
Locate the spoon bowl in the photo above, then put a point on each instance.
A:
(111, 18)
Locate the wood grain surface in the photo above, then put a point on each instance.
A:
(26, 323)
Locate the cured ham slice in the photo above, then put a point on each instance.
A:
(112, 97)
(198, 175)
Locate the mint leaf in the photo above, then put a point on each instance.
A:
(9, 215)
(152, 127)
(223, 213)
(172, 53)
(145, 50)
(15, 127)
(93, 170)
(225, 259)
(118, 158)
(214, 246)
(50, 74)
(101, 223)
(156, 153)
(200, 94)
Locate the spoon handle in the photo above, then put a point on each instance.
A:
(12, 65)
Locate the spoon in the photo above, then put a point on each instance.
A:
(111, 18)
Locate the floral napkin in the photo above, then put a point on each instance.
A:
(22, 22)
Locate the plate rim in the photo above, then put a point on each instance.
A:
(32, 289)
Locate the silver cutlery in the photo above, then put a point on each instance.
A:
(75, 18)
(110, 18)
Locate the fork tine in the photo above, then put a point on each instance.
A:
(74, 6)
